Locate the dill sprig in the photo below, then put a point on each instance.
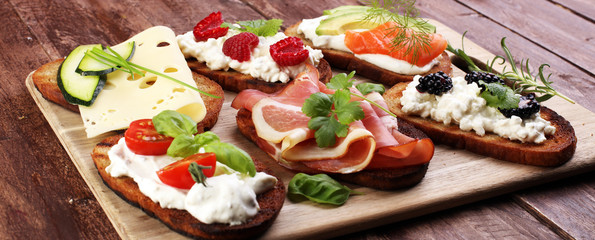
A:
(520, 76)
(410, 31)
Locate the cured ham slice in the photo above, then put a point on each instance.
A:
(282, 129)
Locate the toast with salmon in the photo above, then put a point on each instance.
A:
(555, 151)
(181, 221)
(348, 61)
(45, 81)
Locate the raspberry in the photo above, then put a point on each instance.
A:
(240, 46)
(527, 107)
(289, 51)
(435, 83)
(209, 27)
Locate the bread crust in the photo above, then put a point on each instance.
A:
(388, 179)
(181, 221)
(45, 80)
(348, 61)
(554, 151)
(235, 81)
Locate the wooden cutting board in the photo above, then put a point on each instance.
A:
(455, 177)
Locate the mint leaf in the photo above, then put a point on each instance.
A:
(499, 96)
(367, 88)
(318, 104)
(341, 81)
(347, 112)
(260, 27)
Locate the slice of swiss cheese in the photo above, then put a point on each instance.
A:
(125, 99)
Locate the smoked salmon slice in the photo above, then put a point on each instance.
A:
(379, 41)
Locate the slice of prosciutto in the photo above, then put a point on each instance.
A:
(371, 143)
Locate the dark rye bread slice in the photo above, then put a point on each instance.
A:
(181, 221)
(348, 61)
(388, 179)
(235, 81)
(45, 80)
(554, 151)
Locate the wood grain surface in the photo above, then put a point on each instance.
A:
(45, 197)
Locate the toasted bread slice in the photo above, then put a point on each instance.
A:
(45, 80)
(235, 81)
(348, 61)
(181, 221)
(378, 179)
(556, 150)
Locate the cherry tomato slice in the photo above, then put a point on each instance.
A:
(142, 138)
(177, 175)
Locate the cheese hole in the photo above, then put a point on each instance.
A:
(111, 111)
(109, 86)
(163, 44)
(154, 108)
(148, 82)
(181, 90)
(170, 70)
(135, 77)
(160, 101)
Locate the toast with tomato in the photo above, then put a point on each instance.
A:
(45, 81)
(270, 203)
(378, 151)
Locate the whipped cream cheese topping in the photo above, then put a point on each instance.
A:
(337, 42)
(230, 197)
(463, 106)
(261, 65)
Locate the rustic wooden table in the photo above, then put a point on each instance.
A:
(44, 197)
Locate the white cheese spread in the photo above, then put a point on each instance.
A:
(261, 65)
(463, 106)
(230, 197)
(337, 42)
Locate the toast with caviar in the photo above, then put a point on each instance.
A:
(348, 61)
(554, 151)
(45, 80)
(181, 221)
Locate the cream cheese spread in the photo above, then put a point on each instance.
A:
(229, 198)
(463, 106)
(261, 65)
(337, 42)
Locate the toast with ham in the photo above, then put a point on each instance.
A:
(378, 151)
(554, 151)
(181, 221)
(348, 61)
(45, 80)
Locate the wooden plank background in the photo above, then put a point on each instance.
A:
(45, 197)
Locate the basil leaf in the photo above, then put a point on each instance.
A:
(183, 146)
(367, 88)
(172, 123)
(319, 188)
(318, 104)
(206, 138)
(232, 156)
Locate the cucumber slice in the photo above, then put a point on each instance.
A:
(91, 67)
(78, 89)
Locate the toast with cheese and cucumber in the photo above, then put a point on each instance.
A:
(350, 41)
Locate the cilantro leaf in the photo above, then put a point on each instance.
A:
(367, 88)
(326, 130)
(347, 112)
(318, 104)
(499, 96)
(260, 27)
(341, 81)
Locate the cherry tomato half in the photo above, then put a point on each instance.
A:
(142, 138)
(177, 175)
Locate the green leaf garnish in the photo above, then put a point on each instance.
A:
(367, 88)
(232, 156)
(341, 81)
(347, 112)
(172, 123)
(521, 78)
(318, 188)
(499, 96)
(260, 27)
(196, 173)
(114, 60)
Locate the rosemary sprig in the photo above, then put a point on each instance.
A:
(520, 76)
(116, 61)
(410, 31)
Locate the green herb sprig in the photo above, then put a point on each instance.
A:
(331, 114)
(520, 76)
(319, 188)
(410, 31)
(196, 173)
(260, 27)
(116, 61)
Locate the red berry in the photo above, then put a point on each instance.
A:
(209, 27)
(289, 51)
(240, 46)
